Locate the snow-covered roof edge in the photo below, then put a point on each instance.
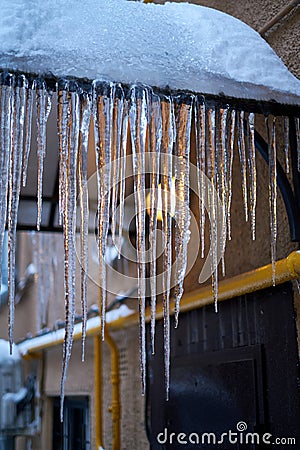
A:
(177, 46)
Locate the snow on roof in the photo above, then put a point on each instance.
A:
(58, 335)
(182, 46)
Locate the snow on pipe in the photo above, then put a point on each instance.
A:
(159, 123)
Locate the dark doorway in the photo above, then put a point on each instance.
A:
(73, 433)
(229, 370)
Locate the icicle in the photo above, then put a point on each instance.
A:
(168, 138)
(85, 115)
(252, 172)
(200, 126)
(6, 117)
(211, 113)
(297, 126)
(124, 131)
(17, 112)
(69, 232)
(222, 169)
(116, 151)
(155, 135)
(182, 182)
(104, 100)
(243, 161)
(286, 137)
(43, 104)
(28, 122)
(63, 114)
(138, 127)
(271, 130)
(230, 143)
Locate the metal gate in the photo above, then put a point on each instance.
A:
(234, 372)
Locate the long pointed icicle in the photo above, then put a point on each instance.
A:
(230, 144)
(138, 127)
(168, 138)
(6, 116)
(182, 180)
(43, 103)
(252, 172)
(116, 151)
(271, 131)
(27, 136)
(69, 231)
(243, 160)
(17, 128)
(104, 101)
(222, 166)
(200, 128)
(155, 135)
(211, 118)
(85, 115)
(124, 131)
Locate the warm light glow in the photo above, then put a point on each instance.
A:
(159, 203)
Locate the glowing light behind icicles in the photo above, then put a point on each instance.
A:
(160, 124)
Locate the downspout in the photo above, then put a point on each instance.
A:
(115, 408)
(284, 12)
(98, 380)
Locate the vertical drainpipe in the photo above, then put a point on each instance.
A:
(98, 392)
(115, 382)
(115, 408)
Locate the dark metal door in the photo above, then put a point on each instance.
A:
(231, 370)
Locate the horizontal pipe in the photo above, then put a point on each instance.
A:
(283, 13)
(287, 269)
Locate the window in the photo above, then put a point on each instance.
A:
(74, 432)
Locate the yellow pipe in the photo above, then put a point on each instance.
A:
(287, 269)
(98, 380)
(115, 382)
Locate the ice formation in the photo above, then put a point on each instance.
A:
(160, 124)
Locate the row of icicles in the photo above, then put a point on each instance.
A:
(157, 123)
